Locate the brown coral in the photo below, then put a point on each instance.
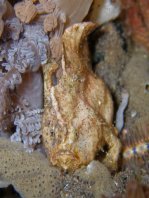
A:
(56, 47)
(30, 174)
(78, 113)
(48, 5)
(25, 11)
(54, 15)
(50, 23)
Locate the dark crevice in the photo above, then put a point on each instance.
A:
(12, 2)
(9, 192)
(92, 41)
(119, 27)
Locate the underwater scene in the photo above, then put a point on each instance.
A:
(74, 98)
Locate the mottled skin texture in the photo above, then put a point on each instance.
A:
(78, 111)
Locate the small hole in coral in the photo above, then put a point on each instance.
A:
(147, 87)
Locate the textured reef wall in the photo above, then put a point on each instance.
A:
(30, 38)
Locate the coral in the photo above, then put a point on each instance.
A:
(33, 177)
(28, 116)
(12, 29)
(49, 18)
(56, 47)
(50, 23)
(30, 174)
(25, 56)
(35, 34)
(136, 18)
(18, 57)
(29, 53)
(78, 111)
(54, 16)
(25, 11)
(7, 82)
(28, 42)
(48, 5)
(28, 129)
(53, 10)
(22, 55)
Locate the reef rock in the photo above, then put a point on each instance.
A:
(92, 181)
